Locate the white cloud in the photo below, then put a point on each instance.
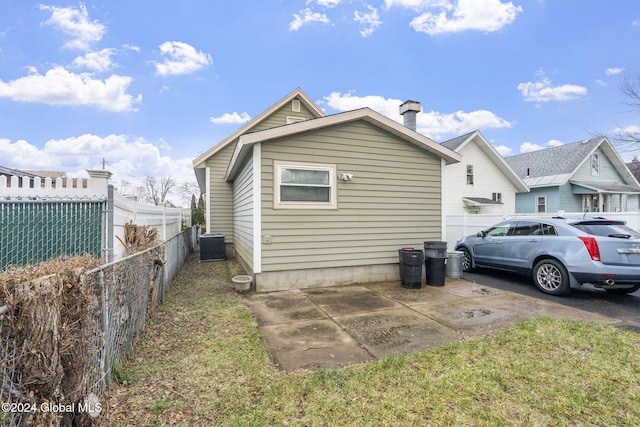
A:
(233, 118)
(543, 90)
(129, 159)
(76, 23)
(613, 71)
(527, 147)
(369, 22)
(326, 3)
(433, 124)
(449, 16)
(306, 17)
(96, 61)
(554, 143)
(418, 5)
(181, 58)
(503, 150)
(61, 87)
(631, 130)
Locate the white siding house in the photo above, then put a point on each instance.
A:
(482, 183)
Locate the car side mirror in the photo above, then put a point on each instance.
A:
(481, 234)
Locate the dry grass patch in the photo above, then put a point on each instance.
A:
(201, 361)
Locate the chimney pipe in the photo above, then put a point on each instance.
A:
(409, 111)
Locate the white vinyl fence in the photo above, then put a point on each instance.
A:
(463, 225)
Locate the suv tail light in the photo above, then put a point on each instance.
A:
(592, 247)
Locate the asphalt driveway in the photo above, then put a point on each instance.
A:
(321, 327)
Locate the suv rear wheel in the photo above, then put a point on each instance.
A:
(551, 277)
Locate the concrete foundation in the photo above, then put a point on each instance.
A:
(323, 277)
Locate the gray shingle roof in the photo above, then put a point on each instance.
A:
(454, 143)
(563, 159)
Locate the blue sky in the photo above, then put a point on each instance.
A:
(150, 85)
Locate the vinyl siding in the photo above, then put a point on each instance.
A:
(279, 117)
(487, 179)
(221, 194)
(243, 214)
(392, 201)
(608, 172)
(526, 202)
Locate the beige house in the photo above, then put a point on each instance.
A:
(309, 200)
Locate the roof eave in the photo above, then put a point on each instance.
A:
(245, 142)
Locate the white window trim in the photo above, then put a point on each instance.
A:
(545, 204)
(595, 156)
(333, 193)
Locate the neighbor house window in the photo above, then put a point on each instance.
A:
(595, 164)
(541, 204)
(470, 174)
(496, 197)
(305, 185)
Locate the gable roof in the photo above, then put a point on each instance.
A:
(555, 166)
(458, 143)
(198, 162)
(246, 142)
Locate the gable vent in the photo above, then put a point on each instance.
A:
(295, 105)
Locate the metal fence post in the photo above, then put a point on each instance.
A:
(105, 364)
(109, 225)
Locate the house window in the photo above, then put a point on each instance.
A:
(470, 174)
(595, 164)
(305, 185)
(496, 197)
(541, 204)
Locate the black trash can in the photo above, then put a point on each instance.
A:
(436, 271)
(435, 262)
(212, 247)
(410, 261)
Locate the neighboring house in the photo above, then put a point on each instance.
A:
(482, 183)
(323, 200)
(585, 176)
(634, 167)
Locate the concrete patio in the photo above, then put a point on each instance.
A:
(322, 327)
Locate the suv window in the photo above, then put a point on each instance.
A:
(549, 230)
(525, 228)
(607, 228)
(500, 229)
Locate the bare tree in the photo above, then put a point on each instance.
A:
(157, 191)
(628, 139)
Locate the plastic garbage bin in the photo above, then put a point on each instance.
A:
(212, 247)
(454, 264)
(435, 262)
(436, 269)
(410, 261)
(435, 249)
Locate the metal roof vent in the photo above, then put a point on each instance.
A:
(409, 110)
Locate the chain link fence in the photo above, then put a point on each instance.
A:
(126, 291)
(37, 230)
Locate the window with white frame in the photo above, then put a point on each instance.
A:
(595, 164)
(496, 197)
(305, 185)
(470, 174)
(541, 204)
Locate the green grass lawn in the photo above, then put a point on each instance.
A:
(201, 361)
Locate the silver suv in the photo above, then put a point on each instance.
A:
(559, 253)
